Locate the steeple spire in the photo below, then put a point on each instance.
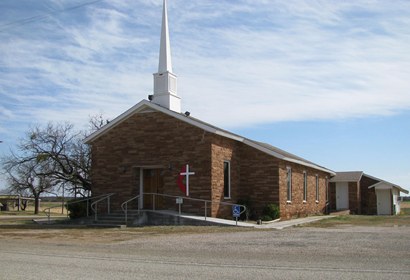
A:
(165, 63)
(165, 82)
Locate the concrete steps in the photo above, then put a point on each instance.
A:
(114, 220)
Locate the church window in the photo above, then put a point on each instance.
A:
(289, 184)
(327, 189)
(317, 188)
(227, 179)
(304, 186)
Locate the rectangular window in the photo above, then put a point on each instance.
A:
(227, 179)
(317, 187)
(327, 189)
(304, 186)
(289, 183)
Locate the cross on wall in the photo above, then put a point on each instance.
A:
(185, 172)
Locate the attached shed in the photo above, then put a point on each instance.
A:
(388, 198)
(363, 194)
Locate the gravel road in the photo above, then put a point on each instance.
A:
(295, 253)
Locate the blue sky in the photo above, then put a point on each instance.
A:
(326, 80)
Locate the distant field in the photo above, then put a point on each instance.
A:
(405, 207)
(56, 208)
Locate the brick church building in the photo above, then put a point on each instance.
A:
(155, 148)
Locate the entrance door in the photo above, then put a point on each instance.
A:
(153, 183)
(342, 196)
(383, 202)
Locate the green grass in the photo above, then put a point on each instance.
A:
(359, 220)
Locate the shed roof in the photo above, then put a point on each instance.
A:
(356, 176)
(347, 176)
(146, 106)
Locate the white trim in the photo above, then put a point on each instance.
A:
(390, 186)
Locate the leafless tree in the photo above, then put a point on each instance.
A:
(50, 155)
(27, 177)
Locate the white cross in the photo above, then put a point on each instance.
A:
(187, 174)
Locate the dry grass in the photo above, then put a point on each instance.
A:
(59, 234)
(405, 208)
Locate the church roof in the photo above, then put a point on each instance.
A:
(145, 106)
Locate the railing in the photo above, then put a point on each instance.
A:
(193, 199)
(47, 211)
(95, 203)
(124, 207)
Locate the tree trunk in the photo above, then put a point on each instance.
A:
(36, 204)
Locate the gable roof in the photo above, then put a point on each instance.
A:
(356, 176)
(146, 106)
(389, 186)
(348, 176)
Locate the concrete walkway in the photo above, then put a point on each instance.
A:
(294, 222)
(266, 225)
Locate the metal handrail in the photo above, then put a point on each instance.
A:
(195, 199)
(125, 204)
(47, 211)
(95, 203)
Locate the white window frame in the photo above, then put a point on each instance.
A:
(288, 184)
(305, 186)
(317, 188)
(229, 179)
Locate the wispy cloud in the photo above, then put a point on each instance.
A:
(272, 60)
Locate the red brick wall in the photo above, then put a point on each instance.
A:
(298, 208)
(259, 178)
(156, 139)
(332, 196)
(150, 139)
(368, 196)
(224, 149)
(354, 201)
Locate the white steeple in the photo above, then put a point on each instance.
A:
(165, 82)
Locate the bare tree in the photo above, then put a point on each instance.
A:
(62, 147)
(26, 176)
(51, 155)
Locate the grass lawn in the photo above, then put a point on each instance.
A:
(359, 220)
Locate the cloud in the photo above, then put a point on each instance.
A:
(252, 61)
